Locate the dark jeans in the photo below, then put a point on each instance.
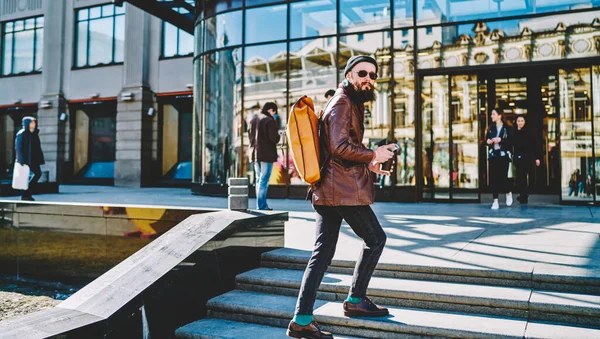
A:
(364, 223)
(498, 175)
(37, 173)
(523, 166)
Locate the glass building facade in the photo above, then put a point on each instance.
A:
(443, 66)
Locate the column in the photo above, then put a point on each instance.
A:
(53, 132)
(133, 166)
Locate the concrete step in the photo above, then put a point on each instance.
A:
(212, 328)
(277, 310)
(434, 295)
(574, 280)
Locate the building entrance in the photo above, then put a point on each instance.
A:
(558, 105)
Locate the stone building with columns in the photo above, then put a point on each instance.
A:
(110, 86)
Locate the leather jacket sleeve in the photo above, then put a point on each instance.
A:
(339, 125)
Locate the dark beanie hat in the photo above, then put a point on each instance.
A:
(358, 59)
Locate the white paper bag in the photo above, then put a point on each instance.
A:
(20, 177)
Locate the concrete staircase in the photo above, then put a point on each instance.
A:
(424, 301)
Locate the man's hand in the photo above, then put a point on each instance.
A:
(537, 162)
(375, 167)
(497, 140)
(490, 141)
(383, 153)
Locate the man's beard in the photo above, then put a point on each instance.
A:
(364, 94)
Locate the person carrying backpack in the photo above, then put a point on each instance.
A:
(344, 192)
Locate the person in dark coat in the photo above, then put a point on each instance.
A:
(500, 142)
(28, 150)
(526, 150)
(264, 137)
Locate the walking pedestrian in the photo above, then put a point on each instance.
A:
(500, 143)
(264, 137)
(344, 192)
(525, 150)
(28, 151)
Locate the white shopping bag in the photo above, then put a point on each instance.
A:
(20, 177)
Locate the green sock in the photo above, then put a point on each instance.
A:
(354, 300)
(303, 320)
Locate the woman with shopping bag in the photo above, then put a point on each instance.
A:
(29, 158)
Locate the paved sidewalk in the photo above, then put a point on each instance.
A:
(520, 238)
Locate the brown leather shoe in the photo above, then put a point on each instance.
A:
(365, 308)
(310, 331)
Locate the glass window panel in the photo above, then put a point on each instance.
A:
(101, 39)
(7, 54)
(39, 49)
(312, 18)
(224, 30)
(108, 10)
(594, 185)
(364, 15)
(403, 13)
(575, 133)
(265, 81)
(464, 113)
(40, 22)
(261, 2)
(83, 14)
(82, 39)
(119, 38)
(223, 130)
(170, 40)
(9, 27)
(435, 11)
(120, 9)
(509, 41)
(211, 7)
(436, 137)
(30, 23)
(266, 24)
(18, 25)
(186, 43)
(404, 111)
(95, 12)
(23, 57)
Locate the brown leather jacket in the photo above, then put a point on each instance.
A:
(345, 177)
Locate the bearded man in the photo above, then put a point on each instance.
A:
(345, 192)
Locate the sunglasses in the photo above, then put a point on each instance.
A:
(363, 74)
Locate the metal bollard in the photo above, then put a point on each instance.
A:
(238, 194)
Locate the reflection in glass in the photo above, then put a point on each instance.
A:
(511, 96)
(510, 41)
(364, 15)
(403, 13)
(404, 110)
(266, 24)
(436, 137)
(595, 183)
(265, 81)
(211, 7)
(176, 41)
(431, 11)
(222, 122)
(223, 30)
(575, 133)
(465, 142)
(312, 18)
